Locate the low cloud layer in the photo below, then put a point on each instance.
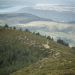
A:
(56, 30)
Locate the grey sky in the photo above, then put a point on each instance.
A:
(30, 2)
(6, 5)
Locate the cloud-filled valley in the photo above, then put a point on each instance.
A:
(56, 30)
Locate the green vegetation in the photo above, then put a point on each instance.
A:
(73, 48)
(61, 61)
(49, 38)
(26, 53)
(62, 42)
(14, 27)
(38, 33)
(27, 30)
(19, 49)
(6, 26)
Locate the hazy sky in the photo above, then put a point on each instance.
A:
(32, 2)
(15, 5)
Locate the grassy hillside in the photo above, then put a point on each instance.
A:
(24, 53)
(20, 49)
(61, 61)
(50, 66)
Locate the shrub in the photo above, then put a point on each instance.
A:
(62, 42)
(48, 37)
(6, 26)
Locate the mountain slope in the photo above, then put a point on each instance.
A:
(58, 16)
(50, 66)
(31, 54)
(60, 61)
(20, 49)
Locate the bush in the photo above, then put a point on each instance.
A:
(62, 42)
(27, 30)
(14, 28)
(48, 37)
(38, 33)
(6, 26)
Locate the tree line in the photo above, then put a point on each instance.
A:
(6, 26)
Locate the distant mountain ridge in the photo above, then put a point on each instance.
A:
(57, 16)
(20, 18)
